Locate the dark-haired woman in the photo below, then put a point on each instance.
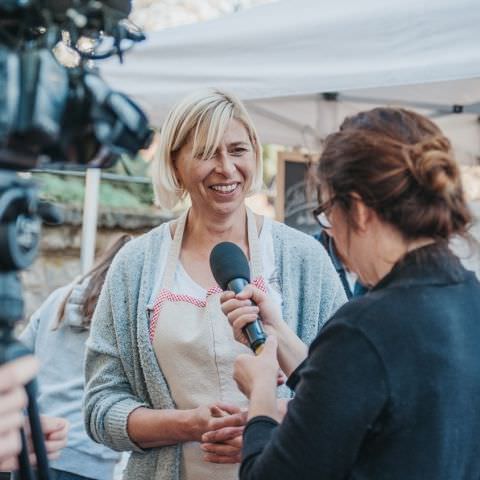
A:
(391, 386)
(57, 333)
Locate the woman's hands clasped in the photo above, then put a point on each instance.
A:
(227, 421)
(214, 417)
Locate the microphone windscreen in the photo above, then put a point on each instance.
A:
(228, 262)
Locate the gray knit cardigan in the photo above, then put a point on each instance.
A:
(122, 372)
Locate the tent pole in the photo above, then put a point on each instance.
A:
(90, 215)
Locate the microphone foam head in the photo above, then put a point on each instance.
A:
(227, 262)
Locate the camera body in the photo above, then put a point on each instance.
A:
(53, 114)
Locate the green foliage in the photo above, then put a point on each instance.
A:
(137, 167)
(60, 188)
(70, 190)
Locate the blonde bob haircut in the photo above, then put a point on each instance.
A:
(205, 114)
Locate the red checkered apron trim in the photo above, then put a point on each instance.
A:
(168, 296)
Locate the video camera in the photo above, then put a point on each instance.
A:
(53, 114)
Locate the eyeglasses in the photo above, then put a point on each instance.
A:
(322, 211)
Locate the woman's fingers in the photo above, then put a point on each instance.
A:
(212, 458)
(226, 407)
(270, 347)
(54, 427)
(222, 435)
(216, 411)
(221, 449)
(251, 293)
(227, 295)
(239, 325)
(250, 310)
(233, 304)
(227, 452)
(236, 420)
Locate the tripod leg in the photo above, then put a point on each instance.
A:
(25, 470)
(43, 472)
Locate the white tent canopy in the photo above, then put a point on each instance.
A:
(282, 56)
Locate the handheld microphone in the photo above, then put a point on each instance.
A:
(231, 271)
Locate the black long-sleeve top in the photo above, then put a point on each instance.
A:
(390, 388)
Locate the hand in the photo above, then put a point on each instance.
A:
(13, 400)
(223, 445)
(240, 311)
(55, 431)
(261, 371)
(214, 417)
(55, 436)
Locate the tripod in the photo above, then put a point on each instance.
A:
(20, 225)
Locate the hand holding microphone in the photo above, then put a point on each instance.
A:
(243, 305)
(247, 306)
(242, 302)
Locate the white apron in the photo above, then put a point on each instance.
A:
(195, 348)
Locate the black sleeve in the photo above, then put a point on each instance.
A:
(294, 377)
(341, 391)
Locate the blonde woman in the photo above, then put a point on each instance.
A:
(161, 352)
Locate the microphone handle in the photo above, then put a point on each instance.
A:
(253, 331)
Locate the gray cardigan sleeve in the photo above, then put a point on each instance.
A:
(109, 399)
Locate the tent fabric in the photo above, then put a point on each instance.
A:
(280, 57)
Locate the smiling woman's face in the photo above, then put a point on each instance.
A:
(219, 184)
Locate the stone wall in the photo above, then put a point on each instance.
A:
(58, 262)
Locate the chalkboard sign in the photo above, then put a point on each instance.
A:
(296, 194)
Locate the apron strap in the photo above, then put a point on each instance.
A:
(175, 247)
(254, 246)
(174, 252)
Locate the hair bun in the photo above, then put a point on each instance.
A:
(432, 164)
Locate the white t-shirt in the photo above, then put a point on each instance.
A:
(185, 285)
(351, 279)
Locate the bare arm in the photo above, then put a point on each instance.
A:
(291, 350)
(150, 428)
(240, 312)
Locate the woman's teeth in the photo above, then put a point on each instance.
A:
(225, 188)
